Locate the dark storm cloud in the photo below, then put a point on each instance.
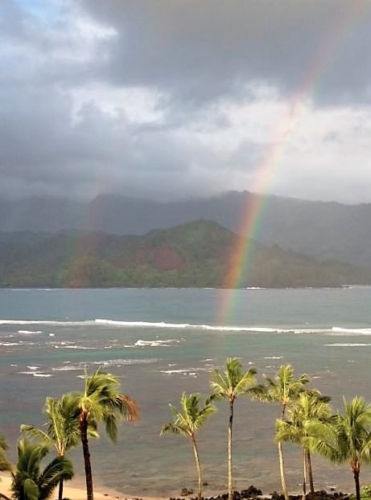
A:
(201, 49)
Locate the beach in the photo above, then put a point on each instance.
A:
(75, 490)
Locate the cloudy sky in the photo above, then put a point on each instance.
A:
(168, 99)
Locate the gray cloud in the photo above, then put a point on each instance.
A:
(199, 50)
(181, 98)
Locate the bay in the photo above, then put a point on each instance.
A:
(161, 342)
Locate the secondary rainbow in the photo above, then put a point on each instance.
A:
(253, 211)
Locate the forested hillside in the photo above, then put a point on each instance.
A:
(196, 254)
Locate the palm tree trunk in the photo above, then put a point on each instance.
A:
(86, 453)
(198, 465)
(280, 456)
(310, 474)
(356, 481)
(230, 427)
(304, 474)
(282, 472)
(60, 490)
(4, 496)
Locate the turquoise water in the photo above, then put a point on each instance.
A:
(164, 342)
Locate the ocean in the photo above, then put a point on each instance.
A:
(161, 342)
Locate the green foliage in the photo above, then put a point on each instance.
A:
(366, 491)
(283, 389)
(310, 409)
(101, 401)
(29, 481)
(188, 421)
(191, 417)
(233, 383)
(4, 464)
(61, 428)
(346, 437)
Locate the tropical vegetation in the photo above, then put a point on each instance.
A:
(100, 401)
(346, 438)
(310, 409)
(187, 422)
(61, 429)
(283, 390)
(232, 384)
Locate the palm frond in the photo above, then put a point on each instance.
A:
(33, 432)
(30, 490)
(233, 383)
(28, 481)
(283, 389)
(59, 468)
(288, 431)
(191, 416)
(174, 429)
(102, 401)
(111, 426)
(3, 444)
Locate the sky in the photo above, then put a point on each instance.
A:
(171, 99)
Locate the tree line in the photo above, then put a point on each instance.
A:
(305, 418)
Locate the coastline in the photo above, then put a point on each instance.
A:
(75, 490)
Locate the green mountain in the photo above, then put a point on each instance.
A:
(319, 230)
(196, 254)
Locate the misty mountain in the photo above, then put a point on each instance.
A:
(196, 254)
(321, 230)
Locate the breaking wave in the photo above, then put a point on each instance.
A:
(29, 332)
(81, 347)
(36, 374)
(106, 362)
(108, 323)
(350, 331)
(191, 372)
(155, 343)
(346, 345)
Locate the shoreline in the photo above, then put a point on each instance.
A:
(75, 490)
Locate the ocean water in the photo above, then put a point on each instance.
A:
(166, 341)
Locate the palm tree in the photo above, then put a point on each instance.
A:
(61, 429)
(229, 386)
(187, 421)
(101, 401)
(310, 408)
(346, 437)
(4, 464)
(29, 482)
(284, 389)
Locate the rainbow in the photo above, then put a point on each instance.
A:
(254, 207)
